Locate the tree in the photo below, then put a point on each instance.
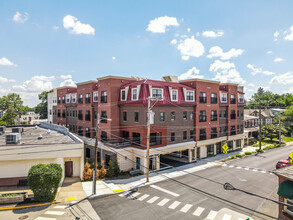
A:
(116, 168)
(10, 116)
(110, 172)
(42, 108)
(102, 172)
(87, 172)
(43, 180)
(270, 131)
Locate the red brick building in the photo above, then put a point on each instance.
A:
(190, 119)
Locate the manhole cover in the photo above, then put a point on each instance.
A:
(23, 217)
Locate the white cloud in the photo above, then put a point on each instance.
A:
(290, 90)
(218, 52)
(226, 72)
(251, 85)
(190, 47)
(290, 35)
(67, 82)
(72, 24)
(36, 84)
(5, 62)
(66, 76)
(188, 29)
(191, 74)
(5, 80)
(276, 35)
(174, 41)
(20, 18)
(255, 70)
(269, 52)
(286, 78)
(113, 58)
(212, 34)
(278, 59)
(55, 27)
(160, 24)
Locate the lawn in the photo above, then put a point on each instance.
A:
(288, 139)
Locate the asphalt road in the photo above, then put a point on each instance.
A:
(201, 195)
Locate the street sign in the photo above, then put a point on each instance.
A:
(225, 148)
(291, 156)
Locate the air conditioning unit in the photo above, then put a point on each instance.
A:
(17, 130)
(13, 138)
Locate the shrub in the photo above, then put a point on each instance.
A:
(233, 157)
(255, 145)
(102, 172)
(110, 172)
(43, 180)
(87, 172)
(259, 150)
(239, 155)
(248, 153)
(116, 168)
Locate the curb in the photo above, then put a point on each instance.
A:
(27, 206)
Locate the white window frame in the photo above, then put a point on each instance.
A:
(174, 100)
(224, 95)
(123, 90)
(157, 89)
(193, 95)
(240, 96)
(132, 94)
(73, 96)
(95, 94)
(68, 96)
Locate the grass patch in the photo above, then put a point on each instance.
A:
(248, 153)
(11, 195)
(288, 139)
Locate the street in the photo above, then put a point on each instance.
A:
(201, 195)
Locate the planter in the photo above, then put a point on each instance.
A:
(13, 199)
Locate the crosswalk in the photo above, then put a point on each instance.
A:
(56, 212)
(194, 210)
(246, 168)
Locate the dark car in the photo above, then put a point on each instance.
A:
(283, 163)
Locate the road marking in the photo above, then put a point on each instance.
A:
(264, 171)
(227, 217)
(174, 205)
(153, 199)
(59, 206)
(238, 167)
(198, 211)
(135, 194)
(44, 218)
(186, 208)
(255, 170)
(212, 215)
(231, 166)
(246, 168)
(54, 213)
(70, 198)
(143, 197)
(164, 190)
(224, 165)
(163, 202)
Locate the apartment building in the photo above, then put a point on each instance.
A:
(52, 106)
(190, 119)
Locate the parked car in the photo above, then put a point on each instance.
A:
(283, 163)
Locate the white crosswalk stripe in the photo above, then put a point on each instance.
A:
(255, 170)
(224, 165)
(238, 167)
(44, 218)
(54, 213)
(227, 217)
(163, 202)
(143, 197)
(198, 211)
(246, 168)
(212, 215)
(231, 166)
(134, 195)
(152, 200)
(174, 205)
(186, 208)
(60, 206)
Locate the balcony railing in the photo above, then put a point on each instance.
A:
(202, 99)
(232, 101)
(214, 100)
(202, 118)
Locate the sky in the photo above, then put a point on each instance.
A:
(48, 44)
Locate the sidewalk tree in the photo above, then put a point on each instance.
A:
(43, 180)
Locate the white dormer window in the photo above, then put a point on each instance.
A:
(189, 96)
(67, 98)
(174, 95)
(73, 98)
(134, 95)
(157, 93)
(224, 97)
(123, 94)
(240, 98)
(95, 96)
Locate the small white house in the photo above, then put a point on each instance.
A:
(30, 118)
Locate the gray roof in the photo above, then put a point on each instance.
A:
(286, 172)
(264, 112)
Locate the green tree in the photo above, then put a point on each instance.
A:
(41, 108)
(116, 168)
(43, 180)
(12, 106)
(110, 172)
(270, 131)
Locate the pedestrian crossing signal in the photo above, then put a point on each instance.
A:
(225, 148)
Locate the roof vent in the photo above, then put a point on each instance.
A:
(48, 131)
(13, 138)
(40, 137)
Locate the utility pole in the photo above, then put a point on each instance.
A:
(280, 130)
(148, 140)
(259, 118)
(95, 162)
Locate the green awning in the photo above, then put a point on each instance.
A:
(286, 189)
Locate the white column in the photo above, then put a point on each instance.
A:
(157, 162)
(215, 149)
(189, 155)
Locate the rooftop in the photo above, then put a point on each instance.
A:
(31, 134)
(286, 172)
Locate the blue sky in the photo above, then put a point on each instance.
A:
(45, 44)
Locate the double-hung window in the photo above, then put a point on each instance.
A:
(95, 96)
(123, 95)
(189, 96)
(157, 93)
(202, 97)
(174, 95)
(134, 94)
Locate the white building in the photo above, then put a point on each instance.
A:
(30, 118)
(39, 145)
(52, 101)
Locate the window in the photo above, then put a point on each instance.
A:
(123, 95)
(225, 114)
(214, 133)
(70, 113)
(67, 113)
(174, 95)
(63, 114)
(95, 96)
(136, 116)
(210, 150)
(67, 98)
(136, 138)
(237, 113)
(80, 101)
(191, 133)
(73, 98)
(233, 99)
(155, 139)
(224, 97)
(233, 131)
(87, 115)
(202, 134)
(214, 116)
(96, 114)
(241, 113)
(202, 116)
(124, 116)
(162, 116)
(50, 112)
(232, 115)
(240, 98)
(87, 152)
(103, 118)
(63, 99)
(104, 96)
(189, 96)
(59, 100)
(220, 114)
(184, 135)
(80, 130)
(184, 115)
(157, 93)
(104, 136)
(134, 94)
(59, 115)
(202, 97)
(191, 115)
(88, 132)
(80, 115)
(87, 98)
(173, 116)
(214, 99)
(172, 136)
